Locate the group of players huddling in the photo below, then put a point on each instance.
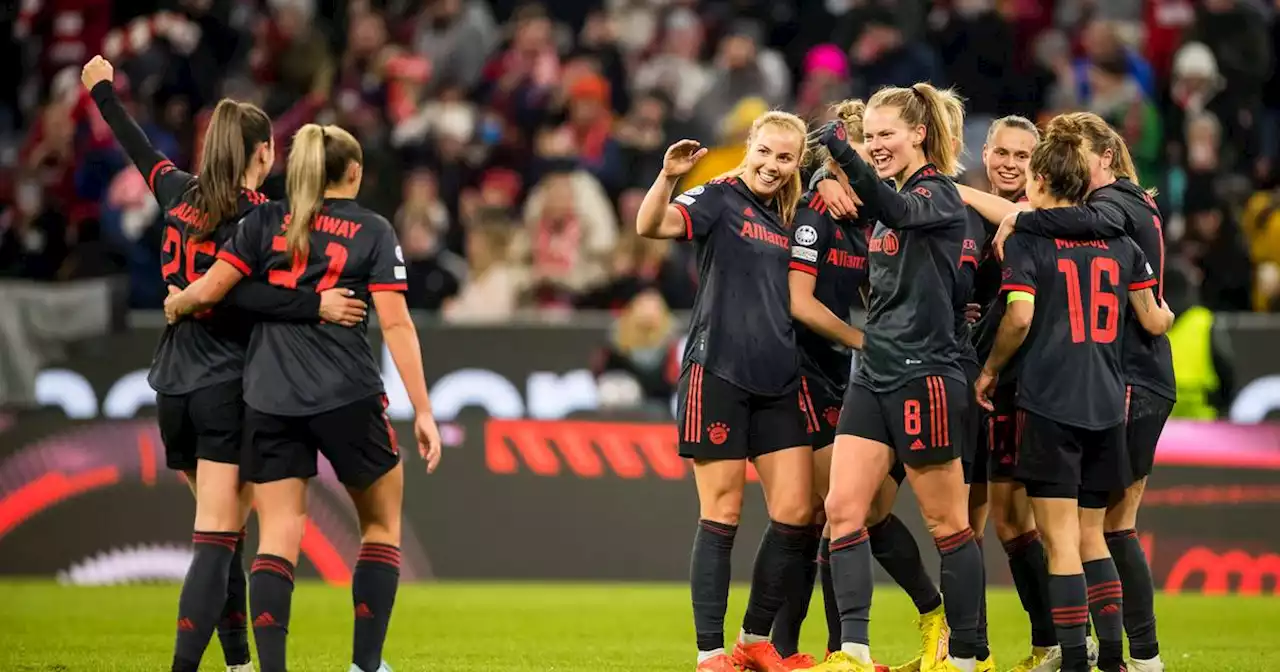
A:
(1043, 349)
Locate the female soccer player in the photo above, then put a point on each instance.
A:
(1006, 156)
(318, 387)
(1117, 205)
(828, 268)
(910, 365)
(1071, 453)
(739, 391)
(198, 365)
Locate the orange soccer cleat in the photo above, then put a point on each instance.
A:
(720, 663)
(763, 657)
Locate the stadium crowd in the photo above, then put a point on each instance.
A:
(511, 142)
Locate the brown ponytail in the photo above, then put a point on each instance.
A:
(235, 131)
(1101, 137)
(1061, 161)
(319, 158)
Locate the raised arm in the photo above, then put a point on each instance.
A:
(917, 209)
(658, 217)
(992, 208)
(98, 77)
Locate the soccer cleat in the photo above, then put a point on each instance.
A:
(762, 657)
(912, 666)
(987, 664)
(934, 639)
(843, 662)
(1042, 659)
(1148, 665)
(799, 661)
(243, 667)
(384, 667)
(720, 663)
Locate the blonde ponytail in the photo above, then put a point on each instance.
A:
(305, 183)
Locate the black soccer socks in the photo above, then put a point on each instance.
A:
(1139, 592)
(709, 572)
(233, 626)
(1068, 602)
(204, 591)
(786, 625)
(963, 588)
(854, 582)
(830, 606)
(270, 600)
(1106, 605)
(373, 594)
(984, 644)
(1030, 571)
(777, 573)
(897, 552)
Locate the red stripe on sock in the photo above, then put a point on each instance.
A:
(261, 564)
(1098, 587)
(952, 542)
(852, 540)
(1021, 542)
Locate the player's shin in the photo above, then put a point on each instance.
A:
(233, 626)
(204, 592)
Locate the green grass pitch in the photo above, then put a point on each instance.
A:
(568, 627)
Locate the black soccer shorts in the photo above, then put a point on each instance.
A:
(997, 435)
(821, 407)
(922, 421)
(718, 420)
(1146, 413)
(202, 425)
(973, 452)
(357, 439)
(1060, 460)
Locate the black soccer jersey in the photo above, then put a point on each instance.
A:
(210, 349)
(914, 253)
(835, 252)
(986, 291)
(741, 328)
(975, 238)
(1071, 368)
(304, 369)
(1121, 208)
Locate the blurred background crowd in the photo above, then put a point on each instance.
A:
(511, 142)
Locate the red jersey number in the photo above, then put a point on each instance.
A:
(1099, 298)
(335, 252)
(177, 252)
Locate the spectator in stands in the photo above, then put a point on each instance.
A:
(492, 288)
(569, 229)
(641, 362)
(676, 69)
(732, 143)
(456, 37)
(883, 56)
(1102, 40)
(976, 44)
(826, 80)
(1194, 89)
(1118, 99)
(1214, 247)
(435, 272)
(743, 70)
(291, 52)
(589, 124)
(641, 137)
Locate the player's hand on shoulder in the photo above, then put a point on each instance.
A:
(338, 306)
(428, 437)
(681, 157)
(98, 69)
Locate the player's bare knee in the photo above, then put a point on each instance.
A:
(721, 507)
(845, 512)
(1123, 513)
(943, 522)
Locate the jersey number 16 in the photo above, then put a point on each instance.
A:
(1099, 298)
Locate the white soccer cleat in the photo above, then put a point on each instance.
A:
(1091, 645)
(246, 667)
(1149, 665)
(384, 667)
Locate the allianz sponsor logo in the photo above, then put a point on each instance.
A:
(546, 395)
